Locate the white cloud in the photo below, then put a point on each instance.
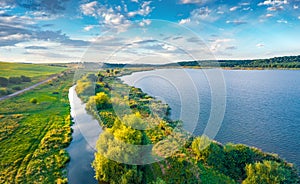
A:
(234, 8)
(260, 45)
(295, 6)
(185, 21)
(299, 17)
(88, 28)
(220, 44)
(282, 21)
(89, 8)
(144, 10)
(245, 4)
(145, 22)
(269, 15)
(193, 1)
(275, 8)
(273, 2)
(236, 22)
(135, 1)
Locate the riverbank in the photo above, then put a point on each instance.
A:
(122, 96)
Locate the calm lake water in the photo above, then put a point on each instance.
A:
(262, 107)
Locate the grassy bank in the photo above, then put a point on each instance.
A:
(35, 129)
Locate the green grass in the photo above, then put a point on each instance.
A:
(33, 136)
(36, 72)
(29, 70)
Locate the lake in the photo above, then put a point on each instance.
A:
(262, 106)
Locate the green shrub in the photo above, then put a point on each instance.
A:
(3, 91)
(33, 100)
(25, 78)
(3, 81)
(17, 88)
(15, 80)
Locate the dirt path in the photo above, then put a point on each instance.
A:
(29, 88)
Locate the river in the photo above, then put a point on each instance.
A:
(86, 131)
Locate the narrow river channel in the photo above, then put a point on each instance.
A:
(86, 131)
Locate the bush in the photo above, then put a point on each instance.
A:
(270, 172)
(15, 80)
(17, 88)
(3, 81)
(3, 91)
(25, 79)
(33, 100)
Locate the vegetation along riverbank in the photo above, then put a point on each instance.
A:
(130, 116)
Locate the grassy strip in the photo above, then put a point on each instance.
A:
(34, 135)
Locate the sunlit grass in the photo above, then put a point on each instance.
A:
(33, 135)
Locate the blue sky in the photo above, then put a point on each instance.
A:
(155, 31)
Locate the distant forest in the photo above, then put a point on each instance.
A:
(276, 62)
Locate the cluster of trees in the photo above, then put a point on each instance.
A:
(4, 82)
(243, 163)
(131, 117)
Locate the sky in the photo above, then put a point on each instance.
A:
(157, 31)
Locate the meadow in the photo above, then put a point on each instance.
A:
(35, 129)
(11, 80)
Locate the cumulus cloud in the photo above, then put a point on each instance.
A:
(143, 11)
(89, 8)
(273, 2)
(274, 5)
(113, 17)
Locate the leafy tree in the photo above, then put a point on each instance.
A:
(15, 80)
(25, 78)
(270, 172)
(3, 81)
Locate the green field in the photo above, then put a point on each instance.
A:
(34, 72)
(30, 70)
(33, 135)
